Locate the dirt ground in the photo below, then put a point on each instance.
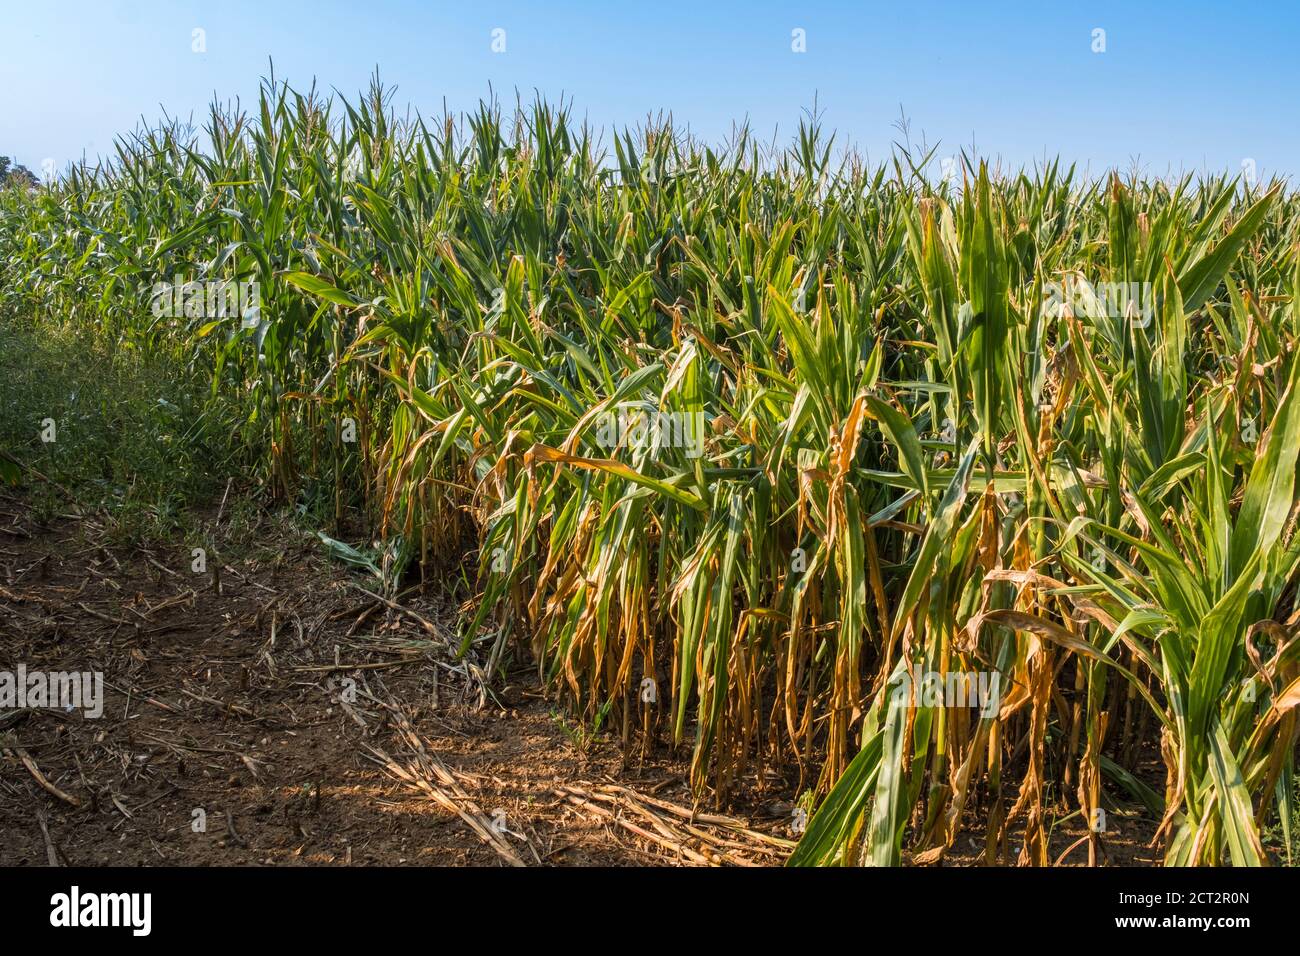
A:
(271, 712)
(275, 714)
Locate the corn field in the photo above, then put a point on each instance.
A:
(895, 447)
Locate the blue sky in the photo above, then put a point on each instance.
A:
(1189, 85)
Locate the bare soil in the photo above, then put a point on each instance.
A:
(275, 714)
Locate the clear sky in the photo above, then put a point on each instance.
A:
(1188, 85)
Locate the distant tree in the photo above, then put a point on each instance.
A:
(16, 175)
